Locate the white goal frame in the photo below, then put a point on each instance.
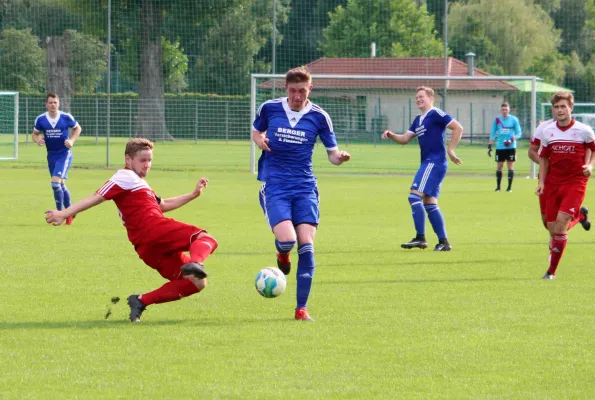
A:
(444, 78)
(16, 124)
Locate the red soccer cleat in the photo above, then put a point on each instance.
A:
(284, 263)
(301, 314)
(69, 220)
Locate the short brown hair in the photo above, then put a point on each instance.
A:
(51, 94)
(429, 91)
(563, 96)
(298, 75)
(136, 145)
(505, 104)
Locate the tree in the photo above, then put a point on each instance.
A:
(398, 27)
(551, 67)
(22, 61)
(86, 57)
(571, 19)
(513, 33)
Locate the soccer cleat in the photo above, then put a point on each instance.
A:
(585, 223)
(443, 247)
(497, 190)
(284, 263)
(301, 314)
(509, 190)
(415, 242)
(548, 276)
(136, 308)
(69, 220)
(194, 268)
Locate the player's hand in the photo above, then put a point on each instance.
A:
(453, 157)
(344, 156)
(507, 143)
(54, 217)
(262, 143)
(489, 150)
(39, 142)
(539, 190)
(587, 169)
(202, 183)
(68, 143)
(386, 134)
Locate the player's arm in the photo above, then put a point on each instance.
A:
(338, 157)
(76, 131)
(518, 132)
(37, 137)
(533, 152)
(455, 138)
(544, 167)
(493, 133)
(56, 217)
(260, 140)
(401, 139)
(177, 202)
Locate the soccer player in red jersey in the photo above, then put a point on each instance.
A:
(160, 242)
(563, 173)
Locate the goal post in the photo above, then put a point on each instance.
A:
(9, 125)
(362, 106)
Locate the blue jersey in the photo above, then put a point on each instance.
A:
(55, 131)
(506, 129)
(292, 135)
(430, 131)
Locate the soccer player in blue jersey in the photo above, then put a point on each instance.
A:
(54, 125)
(429, 128)
(286, 130)
(506, 130)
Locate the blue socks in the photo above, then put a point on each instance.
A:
(436, 219)
(58, 195)
(284, 247)
(419, 215)
(66, 195)
(305, 273)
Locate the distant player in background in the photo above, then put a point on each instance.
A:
(430, 130)
(563, 173)
(159, 241)
(533, 153)
(54, 125)
(286, 129)
(506, 130)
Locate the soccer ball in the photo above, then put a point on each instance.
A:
(270, 282)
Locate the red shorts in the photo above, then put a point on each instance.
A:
(563, 198)
(165, 247)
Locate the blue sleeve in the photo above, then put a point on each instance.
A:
(261, 123)
(37, 126)
(326, 132)
(494, 130)
(517, 129)
(70, 121)
(447, 119)
(412, 127)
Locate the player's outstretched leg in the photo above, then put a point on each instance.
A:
(136, 308)
(584, 220)
(283, 260)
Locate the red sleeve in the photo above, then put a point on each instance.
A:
(591, 146)
(544, 152)
(536, 141)
(110, 190)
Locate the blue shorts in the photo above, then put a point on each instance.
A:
(59, 164)
(281, 202)
(429, 177)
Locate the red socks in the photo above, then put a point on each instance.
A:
(201, 248)
(171, 291)
(558, 246)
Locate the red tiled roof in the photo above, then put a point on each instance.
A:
(397, 66)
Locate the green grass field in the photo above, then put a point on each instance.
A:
(477, 322)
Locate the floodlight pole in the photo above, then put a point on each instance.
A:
(533, 115)
(252, 118)
(109, 78)
(445, 34)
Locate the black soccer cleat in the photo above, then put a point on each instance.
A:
(136, 307)
(284, 263)
(443, 247)
(415, 243)
(194, 268)
(585, 223)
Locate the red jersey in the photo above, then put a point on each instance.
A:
(565, 147)
(137, 203)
